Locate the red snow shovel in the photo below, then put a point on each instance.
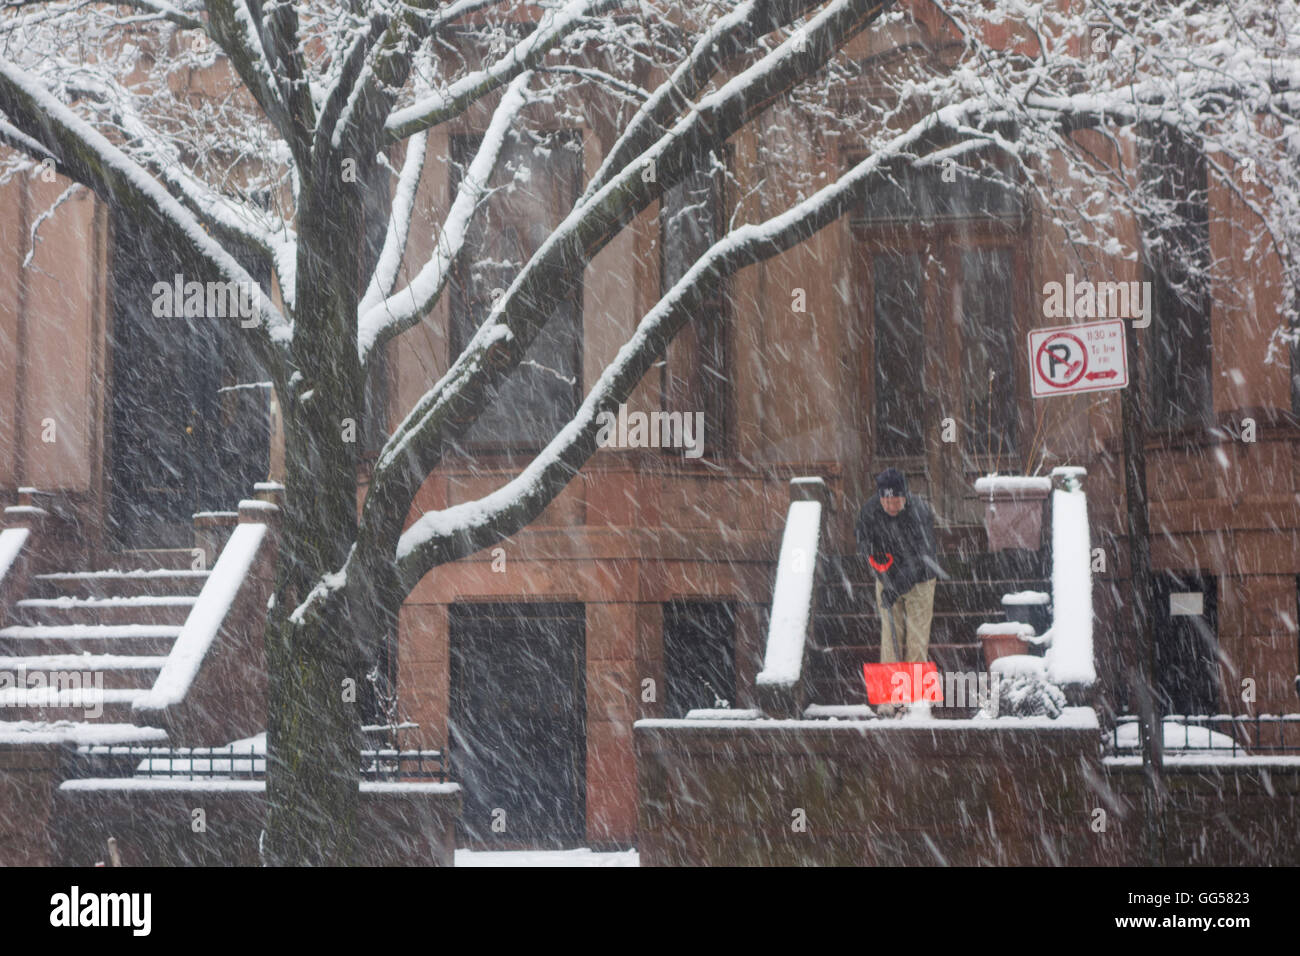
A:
(902, 683)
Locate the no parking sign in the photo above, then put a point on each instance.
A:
(1069, 359)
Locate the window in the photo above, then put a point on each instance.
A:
(1178, 344)
(699, 656)
(987, 351)
(897, 294)
(933, 194)
(695, 374)
(943, 253)
(538, 180)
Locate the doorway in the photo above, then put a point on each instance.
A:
(1187, 644)
(189, 412)
(517, 732)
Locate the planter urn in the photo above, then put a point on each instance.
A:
(1013, 510)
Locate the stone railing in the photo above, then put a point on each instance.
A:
(780, 684)
(213, 686)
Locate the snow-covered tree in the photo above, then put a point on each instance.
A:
(312, 135)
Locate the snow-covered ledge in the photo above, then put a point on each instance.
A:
(779, 684)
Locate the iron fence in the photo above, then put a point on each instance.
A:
(1222, 734)
(238, 763)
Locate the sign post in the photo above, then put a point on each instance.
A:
(1097, 357)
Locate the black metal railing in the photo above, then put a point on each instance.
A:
(1224, 734)
(231, 763)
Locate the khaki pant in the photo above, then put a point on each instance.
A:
(912, 613)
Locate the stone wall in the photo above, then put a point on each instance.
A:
(867, 793)
(155, 824)
(944, 792)
(29, 774)
(1225, 811)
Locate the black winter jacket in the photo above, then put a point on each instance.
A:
(901, 549)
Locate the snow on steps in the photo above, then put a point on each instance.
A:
(115, 646)
(117, 671)
(232, 602)
(137, 609)
(100, 584)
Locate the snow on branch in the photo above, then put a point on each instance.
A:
(232, 26)
(439, 107)
(518, 315)
(441, 536)
(165, 11)
(380, 318)
(399, 227)
(727, 36)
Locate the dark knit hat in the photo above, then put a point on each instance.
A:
(890, 483)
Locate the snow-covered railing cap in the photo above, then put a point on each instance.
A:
(1026, 598)
(1070, 661)
(809, 489)
(1017, 628)
(1069, 477)
(780, 682)
(1014, 486)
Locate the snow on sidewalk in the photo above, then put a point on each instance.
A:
(583, 857)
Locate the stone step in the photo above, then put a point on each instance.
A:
(113, 671)
(949, 597)
(139, 609)
(115, 708)
(960, 566)
(149, 559)
(100, 584)
(119, 639)
(946, 627)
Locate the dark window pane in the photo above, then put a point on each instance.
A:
(899, 354)
(921, 195)
(1178, 344)
(539, 177)
(699, 656)
(987, 352)
(696, 372)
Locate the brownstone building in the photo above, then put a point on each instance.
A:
(893, 337)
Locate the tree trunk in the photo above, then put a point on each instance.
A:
(316, 665)
(314, 744)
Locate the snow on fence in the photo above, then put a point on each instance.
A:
(778, 682)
